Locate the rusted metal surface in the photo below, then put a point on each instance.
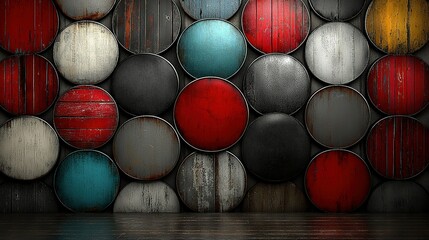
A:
(27, 197)
(29, 148)
(337, 53)
(86, 52)
(397, 147)
(85, 9)
(211, 114)
(27, 26)
(29, 84)
(148, 197)
(337, 10)
(399, 85)
(276, 83)
(275, 147)
(198, 9)
(86, 117)
(275, 198)
(146, 26)
(86, 181)
(337, 116)
(279, 26)
(398, 197)
(337, 181)
(146, 148)
(147, 79)
(211, 182)
(398, 26)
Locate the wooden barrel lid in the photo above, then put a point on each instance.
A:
(29, 84)
(198, 9)
(337, 53)
(29, 148)
(147, 197)
(337, 116)
(275, 198)
(276, 83)
(398, 26)
(85, 9)
(27, 26)
(399, 85)
(275, 147)
(337, 181)
(275, 26)
(147, 79)
(337, 10)
(397, 147)
(211, 182)
(86, 117)
(146, 26)
(211, 114)
(211, 47)
(146, 148)
(86, 181)
(86, 52)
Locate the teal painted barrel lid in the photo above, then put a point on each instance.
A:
(86, 181)
(198, 9)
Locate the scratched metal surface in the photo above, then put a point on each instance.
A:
(85, 9)
(199, 9)
(337, 10)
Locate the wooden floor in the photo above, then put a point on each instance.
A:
(213, 226)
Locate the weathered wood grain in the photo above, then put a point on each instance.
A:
(85, 9)
(337, 10)
(199, 9)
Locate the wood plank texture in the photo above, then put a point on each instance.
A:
(337, 10)
(85, 9)
(198, 9)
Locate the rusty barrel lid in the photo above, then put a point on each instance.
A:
(29, 83)
(29, 148)
(198, 9)
(337, 181)
(27, 26)
(337, 52)
(147, 79)
(146, 26)
(275, 26)
(211, 47)
(337, 10)
(85, 9)
(86, 117)
(276, 83)
(397, 147)
(275, 147)
(211, 114)
(86, 52)
(211, 182)
(398, 26)
(399, 85)
(337, 116)
(147, 197)
(146, 148)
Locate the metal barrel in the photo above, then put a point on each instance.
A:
(337, 10)
(198, 9)
(85, 9)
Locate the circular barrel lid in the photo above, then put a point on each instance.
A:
(143, 26)
(211, 47)
(86, 117)
(397, 147)
(276, 83)
(337, 181)
(146, 148)
(399, 85)
(337, 53)
(211, 182)
(211, 114)
(29, 84)
(147, 79)
(86, 181)
(27, 26)
(275, 147)
(29, 148)
(275, 25)
(86, 52)
(85, 9)
(337, 116)
(337, 10)
(198, 9)
(398, 26)
(147, 197)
